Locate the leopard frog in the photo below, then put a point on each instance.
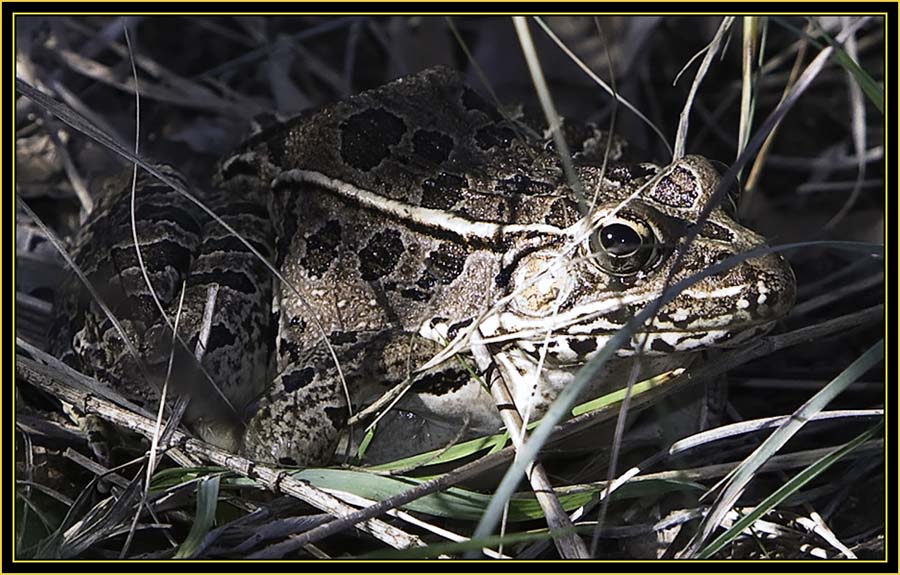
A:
(402, 220)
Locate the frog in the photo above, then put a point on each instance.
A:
(406, 224)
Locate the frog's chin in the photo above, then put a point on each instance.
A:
(663, 342)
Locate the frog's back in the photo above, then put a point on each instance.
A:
(396, 203)
(426, 141)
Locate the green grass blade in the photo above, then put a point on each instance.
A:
(788, 489)
(737, 481)
(207, 502)
(454, 502)
(465, 504)
(496, 442)
(869, 86)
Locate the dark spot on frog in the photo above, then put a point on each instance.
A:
(678, 189)
(415, 294)
(494, 135)
(503, 276)
(250, 321)
(158, 256)
(380, 255)
(513, 205)
(488, 208)
(522, 184)
(625, 173)
(426, 281)
(680, 324)
(322, 249)
(298, 323)
(618, 316)
(433, 146)
(583, 347)
(367, 137)
(562, 213)
(289, 351)
(299, 378)
(443, 191)
(220, 336)
(715, 232)
(140, 306)
(446, 262)
(661, 345)
(441, 382)
(503, 243)
(337, 416)
(453, 329)
(442, 265)
(342, 337)
(473, 101)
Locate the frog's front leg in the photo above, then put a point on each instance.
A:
(299, 419)
(301, 416)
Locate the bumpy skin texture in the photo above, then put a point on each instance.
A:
(416, 208)
(180, 246)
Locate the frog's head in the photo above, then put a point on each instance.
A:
(620, 258)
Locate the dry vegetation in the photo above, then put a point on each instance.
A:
(817, 181)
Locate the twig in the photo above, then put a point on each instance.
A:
(568, 543)
(278, 480)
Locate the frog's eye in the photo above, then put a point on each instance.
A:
(623, 247)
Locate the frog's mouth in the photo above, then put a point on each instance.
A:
(564, 350)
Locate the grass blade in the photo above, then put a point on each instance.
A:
(207, 501)
(789, 488)
(738, 480)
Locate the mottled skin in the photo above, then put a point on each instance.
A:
(414, 210)
(180, 246)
